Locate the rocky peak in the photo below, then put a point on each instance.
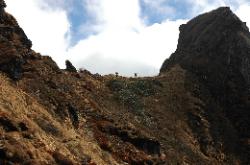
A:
(214, 42)
(215, 47)
(219, 33)
(206, 31)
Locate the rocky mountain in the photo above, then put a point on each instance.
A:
(195, 112)
(215, 48)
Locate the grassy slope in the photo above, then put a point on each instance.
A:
(30, 134)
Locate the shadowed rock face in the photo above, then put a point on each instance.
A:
(14, 45)
(218, 37)
(215, 46)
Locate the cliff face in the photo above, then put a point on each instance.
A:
(215, 47)
(195, 112)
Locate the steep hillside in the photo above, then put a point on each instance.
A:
(31, 135)
(183, 116)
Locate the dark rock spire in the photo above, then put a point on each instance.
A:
(215, 47)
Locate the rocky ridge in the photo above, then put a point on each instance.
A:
(54, 116)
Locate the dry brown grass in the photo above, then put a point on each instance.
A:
(37, 142)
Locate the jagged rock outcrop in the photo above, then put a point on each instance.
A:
(219, 38)
(215, 47)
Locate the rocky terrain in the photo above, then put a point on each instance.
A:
(195, 112)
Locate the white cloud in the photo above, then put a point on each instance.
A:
(242, 12)
(201, 6)
(122, 41)
(149, 46)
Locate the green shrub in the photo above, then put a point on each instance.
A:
(130, 93)
(143, 87)
(130, 99)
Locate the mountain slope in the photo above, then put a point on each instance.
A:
(54, 116)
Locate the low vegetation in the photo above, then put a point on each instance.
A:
(131, 93)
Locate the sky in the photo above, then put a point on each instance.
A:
(108, 36)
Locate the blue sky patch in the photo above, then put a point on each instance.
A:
(77, 16)
(171, 10)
